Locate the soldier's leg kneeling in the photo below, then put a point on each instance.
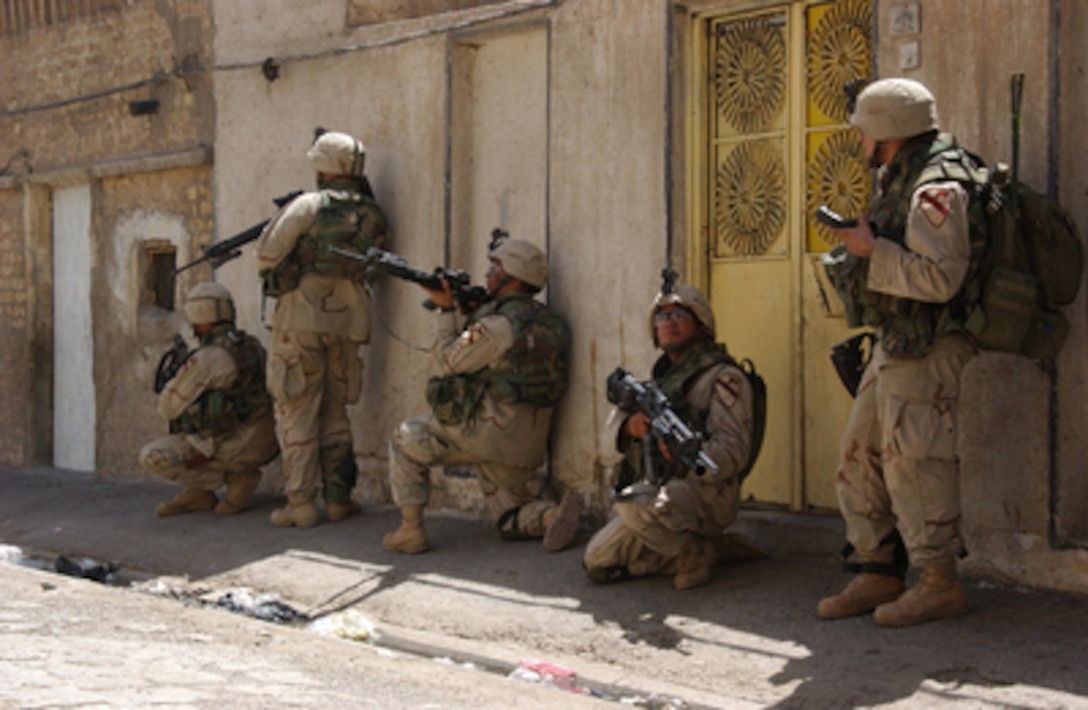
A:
(608, 552)
(162, 458)
(413, 449)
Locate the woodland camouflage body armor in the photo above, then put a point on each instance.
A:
(533, 371)
(906, 326)
(348, 219)
(674, 379)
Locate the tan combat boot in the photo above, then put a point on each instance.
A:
(937, 595)
(336, 512)
(190, 500)
(299, 512)
(866, 591)
(695, 566)
(410, 538)
(240, 487)
(561, 522)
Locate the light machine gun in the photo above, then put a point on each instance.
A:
(467, 296)
(666, 426)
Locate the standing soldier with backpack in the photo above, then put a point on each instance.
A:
(901, 271)
(322, 316)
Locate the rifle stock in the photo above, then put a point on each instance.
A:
(222, 252)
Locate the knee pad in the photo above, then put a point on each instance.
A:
(413, 439)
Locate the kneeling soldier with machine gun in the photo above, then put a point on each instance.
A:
(682, 443)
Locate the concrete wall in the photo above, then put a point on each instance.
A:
(605, 152)
(616, 98)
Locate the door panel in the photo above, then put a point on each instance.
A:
(73, 345)
(778, 145)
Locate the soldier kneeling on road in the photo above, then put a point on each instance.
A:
(501, 376)
(671, 519)
(220, 414)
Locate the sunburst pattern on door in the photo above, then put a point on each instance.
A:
(837, 177)
(750, 72)
(837, 174)
(749, 211)
(750, 199)
(839, 52)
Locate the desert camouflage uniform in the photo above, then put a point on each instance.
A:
(203, 459)
(506, 441)
(647, 536)
(314, 366)
(898, 465)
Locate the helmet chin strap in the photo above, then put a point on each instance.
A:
(874, 159)
(506, 278)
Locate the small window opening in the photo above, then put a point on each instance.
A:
(160, 276)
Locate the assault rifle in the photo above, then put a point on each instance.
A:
(467, 296)
(222, 252)
(170, 362)
(666, 426)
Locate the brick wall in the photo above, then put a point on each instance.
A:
(13, 344)
(72, 69)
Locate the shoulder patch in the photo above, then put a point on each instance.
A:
(935, 203)
(727, 388)
(474, 332)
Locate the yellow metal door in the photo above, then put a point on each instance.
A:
(775, 145)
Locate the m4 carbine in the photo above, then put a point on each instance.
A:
(467, 296)
(666, 426)
(222, 252)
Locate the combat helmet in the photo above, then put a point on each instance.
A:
(336, 153)
(209, 303)
(690, 298)
(895, 108)
(522, 260)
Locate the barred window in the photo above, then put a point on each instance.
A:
(19, 16)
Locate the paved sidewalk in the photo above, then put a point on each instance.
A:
(749, 639)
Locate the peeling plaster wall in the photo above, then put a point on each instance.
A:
(169, 207)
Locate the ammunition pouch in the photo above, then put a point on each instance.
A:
(282, 278)
(454, 398)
